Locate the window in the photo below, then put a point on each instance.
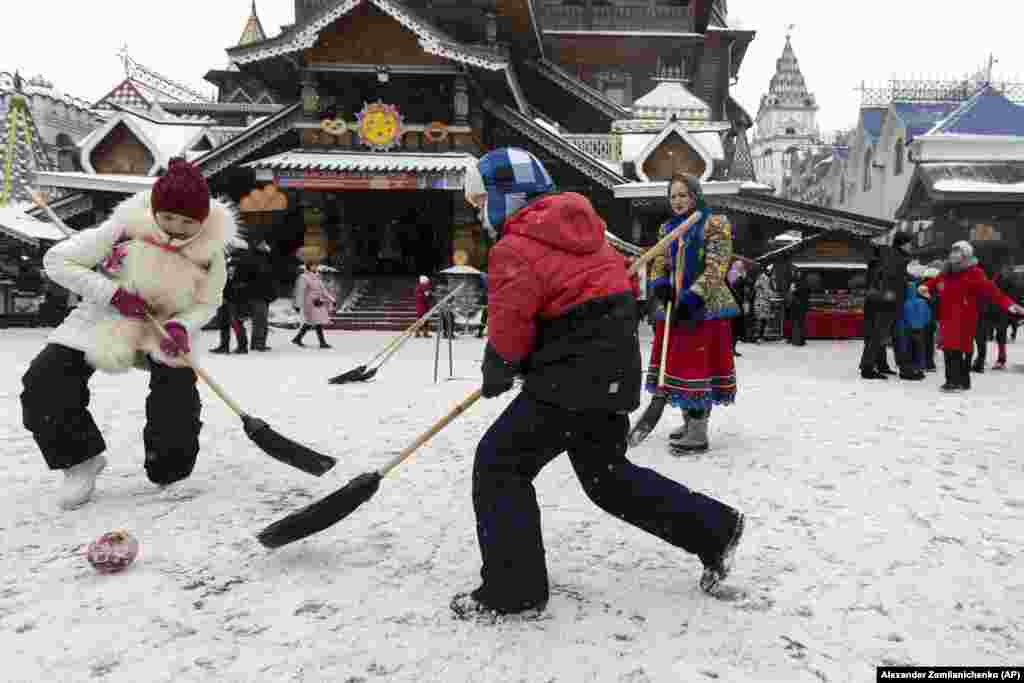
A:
(65, 152)
(869, 159)
(791, 131)
(897, 158)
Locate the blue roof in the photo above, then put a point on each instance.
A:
(872, 120)
(919, 118)
(987, 113)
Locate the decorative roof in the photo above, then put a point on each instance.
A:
(670, 99)
(788, 88)
(689, 139)
(988, 112)
(126, 184)
(254, 138)
(39, 86)
(163, 138)
(253, 31)
(356, 162)
(432, 39)
(920, 117)
(582, 90)
(588, 165)
(977, 183)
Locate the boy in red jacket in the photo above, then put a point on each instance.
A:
(563, 315)
(960, 285)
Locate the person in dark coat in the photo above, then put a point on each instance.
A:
(887, 284)
(799, 307)
(564, 317)
(255, 273)
(992, 322)
(229, 314)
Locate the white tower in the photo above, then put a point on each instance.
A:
(786, 121)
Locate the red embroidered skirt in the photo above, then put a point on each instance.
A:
(699, 371)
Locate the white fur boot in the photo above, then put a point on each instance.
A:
(79, 482)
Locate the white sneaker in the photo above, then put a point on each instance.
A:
(80, 482)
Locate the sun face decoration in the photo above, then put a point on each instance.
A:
(380, 126)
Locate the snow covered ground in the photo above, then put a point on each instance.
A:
(884, 526)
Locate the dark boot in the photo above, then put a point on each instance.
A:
(242, 338)
(952, 362)
(297, 339)
(320, 337)
(225, 341)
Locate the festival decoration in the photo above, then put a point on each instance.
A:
(436, 132)
(113, 552)
(380, 126)
(335, 126)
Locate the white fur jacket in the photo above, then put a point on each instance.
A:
(184, 283)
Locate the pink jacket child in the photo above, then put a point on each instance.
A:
(313, 298)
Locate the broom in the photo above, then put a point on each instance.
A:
(343, 502)
(270, 442)
(337, 506)
(362, 374)
(649, 420)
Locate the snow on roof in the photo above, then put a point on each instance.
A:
(988, 112)
(671, 97)
(21, 225)
(978, 186)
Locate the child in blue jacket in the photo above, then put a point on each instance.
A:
(910, 333)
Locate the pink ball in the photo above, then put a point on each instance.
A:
(113, 552)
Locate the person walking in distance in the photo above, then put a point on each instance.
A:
(423, 294)
(161, 253)
(313, 299)
(563, 316)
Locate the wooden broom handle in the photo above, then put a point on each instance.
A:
(663, 243)
(427, 435)
(664, 344)
(411, 330)
(217, 389)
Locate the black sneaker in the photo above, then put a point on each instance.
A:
(872, 374)
(220, 349)
(887, 371)
(980, 369)
(261, 348)
(718, 568)
(911, 375)
(950, 388)
(470, 607)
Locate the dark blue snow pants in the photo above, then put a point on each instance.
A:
(529, 435)
(55, 408)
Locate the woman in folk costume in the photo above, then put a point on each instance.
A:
(763, 295)
(699, 369)
(313, 299)
(161, 252)
(961, 288)
(423, 293)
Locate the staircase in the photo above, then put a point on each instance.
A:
(387, 304)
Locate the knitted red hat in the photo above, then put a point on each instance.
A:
(182, 190)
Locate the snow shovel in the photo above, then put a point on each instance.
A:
(364, 372)
(259, 432)
(337, 506)
(649, 420)
(272, 443)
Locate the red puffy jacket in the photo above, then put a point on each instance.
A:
(959, 293)
(559, 299)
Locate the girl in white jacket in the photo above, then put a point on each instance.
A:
(162, 253)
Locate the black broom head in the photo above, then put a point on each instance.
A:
(284, 449)
(321, 514)
(648, 421)
(354, 375)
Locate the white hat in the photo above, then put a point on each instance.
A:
(424, 279)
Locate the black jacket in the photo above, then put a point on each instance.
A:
(887, 280)
(254, 275)
(589, 358)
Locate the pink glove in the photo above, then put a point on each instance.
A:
(178, 342)
(128, 304)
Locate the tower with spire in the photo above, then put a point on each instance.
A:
(786, 121)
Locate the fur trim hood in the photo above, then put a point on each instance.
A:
(217, 232)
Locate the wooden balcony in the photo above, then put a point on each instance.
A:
(651, 15)
(604, 147)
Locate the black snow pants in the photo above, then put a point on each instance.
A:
(55, 405)
(529, 435)
(958, 368)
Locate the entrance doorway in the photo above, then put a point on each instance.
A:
(396, 232)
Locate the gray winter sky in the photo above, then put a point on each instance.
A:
(838, 44)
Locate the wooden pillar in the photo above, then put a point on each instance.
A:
(460, 101)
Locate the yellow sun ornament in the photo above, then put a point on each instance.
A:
(380, 126)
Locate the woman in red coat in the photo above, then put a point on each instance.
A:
(960, 285)
(423, 294)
